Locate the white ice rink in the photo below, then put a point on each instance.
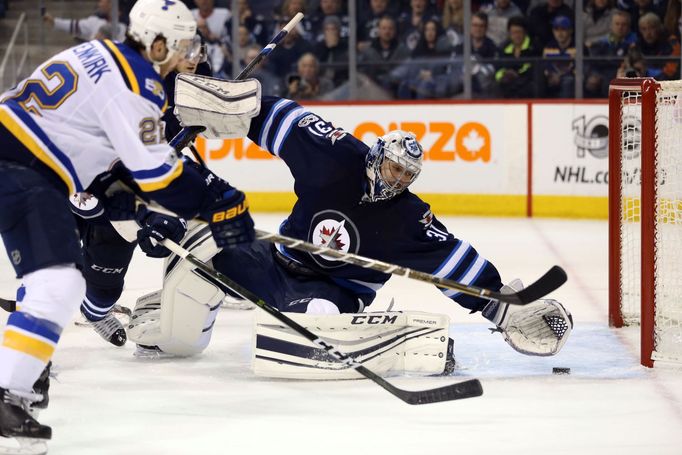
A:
(105, 401)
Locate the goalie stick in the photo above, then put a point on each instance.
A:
(466, 389)
(550, 281)
(186, 136)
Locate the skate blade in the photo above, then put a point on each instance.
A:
(22, 446)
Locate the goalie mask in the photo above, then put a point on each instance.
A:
(393, 163)
(170, 19)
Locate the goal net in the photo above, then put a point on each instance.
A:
(645, 213)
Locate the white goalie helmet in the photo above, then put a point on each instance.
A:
(168, 18)
(393, 163)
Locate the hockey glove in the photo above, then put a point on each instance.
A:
(155, 228)
(229, 220)
(120, 206)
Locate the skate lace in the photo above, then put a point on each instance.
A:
(21, 399)
(107, 326)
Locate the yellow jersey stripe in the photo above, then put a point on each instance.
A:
(22, 134)
(30, 346)
(127, 70)
(163, 183)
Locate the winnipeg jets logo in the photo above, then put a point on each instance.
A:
(332, 229)
(329, 237)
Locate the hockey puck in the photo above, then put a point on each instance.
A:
(557, 370)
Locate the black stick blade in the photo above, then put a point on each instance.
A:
(466, 389)
(550, 281)
(8, 305)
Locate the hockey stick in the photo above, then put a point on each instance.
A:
(550, 281)
(187, 135)
(466, 389)
(8, 305)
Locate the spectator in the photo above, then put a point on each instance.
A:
(515, 78)
(245, 39)
(425, 77)
(271, 84)
(383, 54)
(499, 13)
(597, 20)
(655, 43)
(332, 51)
(4, 6)
(256, 24)
(86, 29)
(541, 17)
(560, 74)
(453, 15)
(292, 47)
(290, 8)
(368, 22)
(671, 20)
(639, 8)
(411, 22)
(306, 83)
(211, 25)
(483, 50)
(633, 65)
(327, 8)
(616, 44)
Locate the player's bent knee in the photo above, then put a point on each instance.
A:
(53, 293)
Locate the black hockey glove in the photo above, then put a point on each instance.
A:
(230, 220)
(155, 228)
(120, 206)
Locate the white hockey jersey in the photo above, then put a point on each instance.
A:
(86, 108)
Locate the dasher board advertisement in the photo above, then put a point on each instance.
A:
(469, 148)
(570, 150)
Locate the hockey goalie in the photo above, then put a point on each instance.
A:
(353, 198)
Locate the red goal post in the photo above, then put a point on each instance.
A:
(645, 213)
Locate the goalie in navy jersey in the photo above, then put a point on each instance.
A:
(353, 198)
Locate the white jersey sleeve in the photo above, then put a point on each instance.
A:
(88, 107)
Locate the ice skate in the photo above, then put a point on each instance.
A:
(110, 329)
(20, 433)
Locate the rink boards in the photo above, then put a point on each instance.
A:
(516, 158)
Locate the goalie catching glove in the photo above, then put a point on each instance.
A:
(539, 328)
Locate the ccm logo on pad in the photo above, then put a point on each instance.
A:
(374, 319)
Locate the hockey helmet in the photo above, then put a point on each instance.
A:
(393, 163)
(168, 18)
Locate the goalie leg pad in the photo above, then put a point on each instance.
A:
(179, 319)
(389, 343)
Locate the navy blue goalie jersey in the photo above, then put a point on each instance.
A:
(328, 166)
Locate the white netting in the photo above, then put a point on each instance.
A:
(630, 191)
(668, 235)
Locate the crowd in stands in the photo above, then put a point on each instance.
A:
(413, 49)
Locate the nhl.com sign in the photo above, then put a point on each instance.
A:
(591, 148)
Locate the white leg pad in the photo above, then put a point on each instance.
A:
(388, 343)
(179, 319)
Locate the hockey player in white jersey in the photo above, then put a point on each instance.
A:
(76, 115)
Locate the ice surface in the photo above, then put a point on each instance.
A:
(107, 402)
